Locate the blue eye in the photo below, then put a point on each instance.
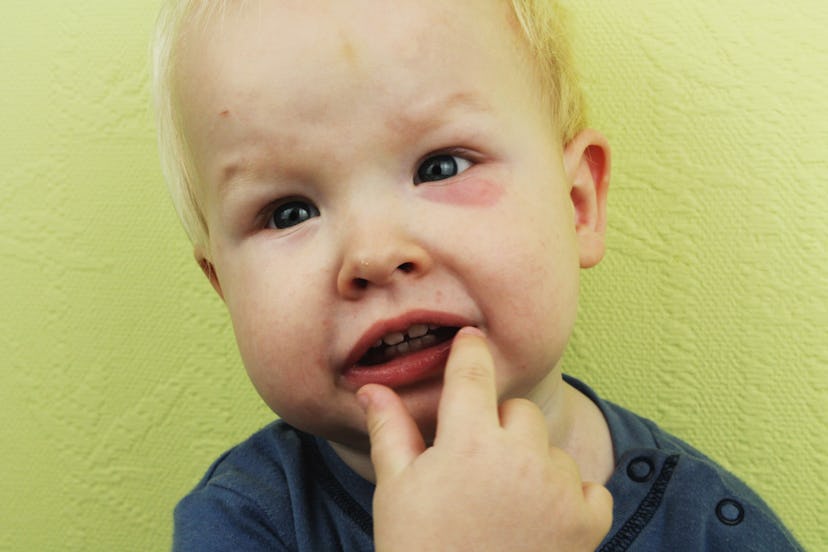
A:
(292, 213)
(440, 167)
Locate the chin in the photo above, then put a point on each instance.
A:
(423, 404)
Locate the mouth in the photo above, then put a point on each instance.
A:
(415, 338)
(402, 352)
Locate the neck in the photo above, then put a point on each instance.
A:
(357, 460)
(589, 440)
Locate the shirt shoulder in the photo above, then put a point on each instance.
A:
(670, 496)
(275, 491)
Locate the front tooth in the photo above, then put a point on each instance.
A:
(394, 338)
(415, 345)
(417, 330)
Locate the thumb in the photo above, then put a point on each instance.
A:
(395, 438)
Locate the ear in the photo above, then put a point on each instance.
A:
(200, 254)
(587, 165)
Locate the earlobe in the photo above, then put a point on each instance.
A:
(587, 165)
(208, 269)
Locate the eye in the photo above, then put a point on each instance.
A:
(440, 167)
(292, 213)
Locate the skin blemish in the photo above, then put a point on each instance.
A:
(348, 51)
(225, 113)
(472, 192)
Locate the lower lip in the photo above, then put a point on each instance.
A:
(402, 371)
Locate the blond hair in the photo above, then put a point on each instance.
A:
(543, 30)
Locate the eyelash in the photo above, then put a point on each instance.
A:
(300, 205)
(453, 161)
(421, 176)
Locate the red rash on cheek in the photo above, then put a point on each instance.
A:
(466, 193)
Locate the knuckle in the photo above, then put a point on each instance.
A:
(377, 426)
(476, 372)
(472, 446)
(598, 512)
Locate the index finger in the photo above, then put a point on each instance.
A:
(469, 396)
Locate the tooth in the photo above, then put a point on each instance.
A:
(417, 330)
(402, 348)
(394, 338)
(427, 341)
(433, 326)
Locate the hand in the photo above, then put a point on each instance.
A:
(490, 482)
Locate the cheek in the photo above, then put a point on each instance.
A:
(466, 193)
(282, 352)
(273, 325)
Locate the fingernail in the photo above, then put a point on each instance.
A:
(471, 330)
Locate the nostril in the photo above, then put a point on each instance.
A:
(406, 267)
(360, 283)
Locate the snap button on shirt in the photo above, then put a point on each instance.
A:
(641, 469)
(730, 512)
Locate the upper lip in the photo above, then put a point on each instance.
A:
(401, 324)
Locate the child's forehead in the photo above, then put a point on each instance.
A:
(300, 48)
(349, 23)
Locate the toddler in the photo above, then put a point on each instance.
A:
(394, 199)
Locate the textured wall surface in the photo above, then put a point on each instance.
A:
(120, 381)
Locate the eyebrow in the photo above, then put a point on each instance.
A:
(416, 120)
(241, 167)
(423, 118)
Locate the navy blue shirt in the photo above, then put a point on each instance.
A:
(283, 489)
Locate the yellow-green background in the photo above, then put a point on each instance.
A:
(120, 381)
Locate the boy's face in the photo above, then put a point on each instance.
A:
(373, 168)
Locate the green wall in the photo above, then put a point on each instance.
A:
(120, 381)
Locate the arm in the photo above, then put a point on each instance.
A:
(490, 482)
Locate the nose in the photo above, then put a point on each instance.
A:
(378, 256)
